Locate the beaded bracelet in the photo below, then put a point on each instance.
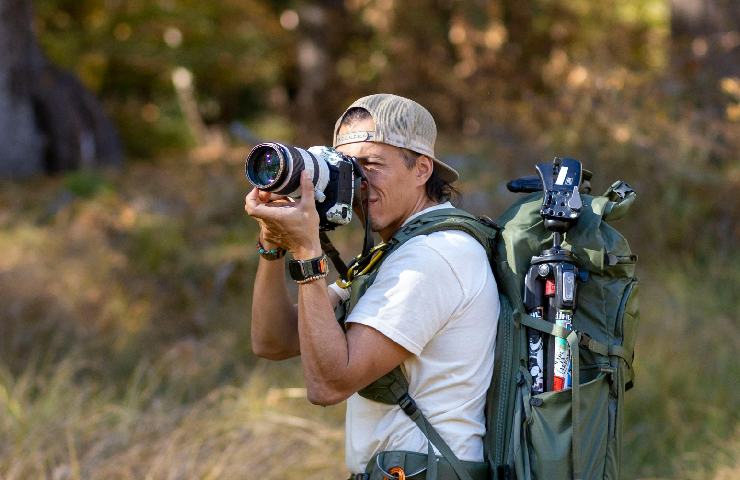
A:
(311, 278)
(272, 254)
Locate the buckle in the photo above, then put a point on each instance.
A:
(407, 404)
(623, 189)
(584, 340)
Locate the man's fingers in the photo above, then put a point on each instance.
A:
(307, 192)
(251, 201)
(281, 202)
(257, 208)
(264, 196)
(271, 197)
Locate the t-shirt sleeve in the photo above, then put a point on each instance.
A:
(342, 293)
(413, 296)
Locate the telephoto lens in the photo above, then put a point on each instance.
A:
(276, 168)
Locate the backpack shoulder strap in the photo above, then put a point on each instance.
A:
(392, 388)
(386, 389)
(483, 229)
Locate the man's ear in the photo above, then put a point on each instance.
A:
(424, 168)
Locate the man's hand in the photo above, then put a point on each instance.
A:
(266, 238)
(293, 226)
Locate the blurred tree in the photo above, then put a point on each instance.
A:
(48, 120)
(236, 51)
(321, 34)
(705, 45)
(290, 66)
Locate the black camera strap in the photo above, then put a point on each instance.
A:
(368, 242)
(333, 254)
(331, 251)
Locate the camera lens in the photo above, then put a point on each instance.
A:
(276, 167)
(265, 166)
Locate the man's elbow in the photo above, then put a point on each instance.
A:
(324, 395)
(270, 352)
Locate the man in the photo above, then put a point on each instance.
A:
(431, 309)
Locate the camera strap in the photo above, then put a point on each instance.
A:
(368, 242)
(333, 254)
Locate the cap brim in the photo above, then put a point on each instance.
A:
(445, 172)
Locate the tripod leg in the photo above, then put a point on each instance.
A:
(536, 359)
(533, 302)
(561, 360)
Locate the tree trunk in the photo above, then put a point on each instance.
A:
(49, 122)
(322, 26)
(21, 144)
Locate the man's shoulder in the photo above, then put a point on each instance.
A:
(455, 244)
(438, 254)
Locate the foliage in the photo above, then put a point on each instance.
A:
(85, 184)
(245, 56)
(126, 51)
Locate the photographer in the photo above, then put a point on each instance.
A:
(431, 308)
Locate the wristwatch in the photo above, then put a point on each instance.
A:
(304, 271)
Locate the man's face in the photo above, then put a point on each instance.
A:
(394, 191)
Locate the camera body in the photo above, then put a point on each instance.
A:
(276, 168)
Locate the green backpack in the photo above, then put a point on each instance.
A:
(573, 433)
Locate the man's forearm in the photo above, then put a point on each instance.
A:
(323, 345)
(274, 318)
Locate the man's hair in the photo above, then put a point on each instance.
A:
(436, 188)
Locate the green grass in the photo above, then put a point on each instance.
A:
(681, 420)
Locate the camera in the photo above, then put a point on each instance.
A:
(276, 168)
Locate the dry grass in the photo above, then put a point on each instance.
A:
(123, 335)
(57, 427)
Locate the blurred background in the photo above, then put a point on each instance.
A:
(127, 260)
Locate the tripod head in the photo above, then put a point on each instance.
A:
(562, 182)
(561, 203)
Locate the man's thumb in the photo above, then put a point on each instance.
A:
(307, 192)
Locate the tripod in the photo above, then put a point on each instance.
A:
(550, 283)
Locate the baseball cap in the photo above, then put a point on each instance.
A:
(400, 122)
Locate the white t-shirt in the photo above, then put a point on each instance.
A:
(436, 297)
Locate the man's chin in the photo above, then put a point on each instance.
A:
(375, 227)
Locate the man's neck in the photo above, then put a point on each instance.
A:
(424, 203)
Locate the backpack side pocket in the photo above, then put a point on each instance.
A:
(551, 431)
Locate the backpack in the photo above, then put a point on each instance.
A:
(573, 433)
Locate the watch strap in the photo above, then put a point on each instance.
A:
(303, 271)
